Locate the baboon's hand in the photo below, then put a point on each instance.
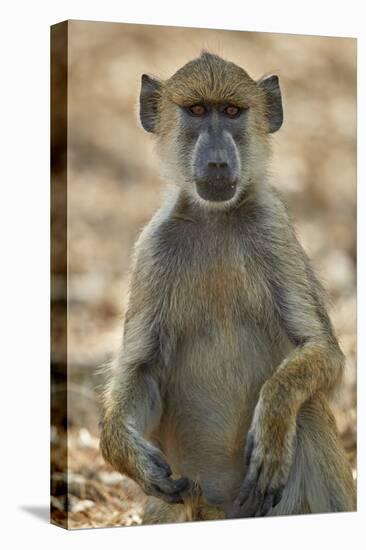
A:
(129, 453)
(268, 455)
(156, 479)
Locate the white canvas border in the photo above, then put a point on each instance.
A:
(25, 271)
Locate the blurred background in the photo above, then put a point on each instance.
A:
(114, 187)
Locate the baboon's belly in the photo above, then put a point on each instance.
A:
(208, 405)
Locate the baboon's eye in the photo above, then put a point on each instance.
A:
(198, 110)
(232, 111)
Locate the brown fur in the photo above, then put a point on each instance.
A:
(227, 343)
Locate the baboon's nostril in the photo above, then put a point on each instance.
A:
(217, 164)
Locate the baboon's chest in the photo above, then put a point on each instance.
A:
(215, 281)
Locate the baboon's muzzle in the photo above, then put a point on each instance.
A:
(216, 167)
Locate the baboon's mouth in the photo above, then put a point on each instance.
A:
(216, 191)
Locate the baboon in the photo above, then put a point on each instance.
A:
(217, 405)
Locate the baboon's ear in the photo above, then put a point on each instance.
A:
(271, 86)
(149, 97)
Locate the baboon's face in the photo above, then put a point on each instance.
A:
(212, 138)
(212, 122)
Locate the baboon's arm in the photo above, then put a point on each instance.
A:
(133, 406)
(315, 364)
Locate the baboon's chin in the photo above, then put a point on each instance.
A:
(217, 191)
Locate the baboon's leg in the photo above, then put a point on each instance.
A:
(157, 511)
(321, 478)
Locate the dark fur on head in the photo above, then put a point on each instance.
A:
(214, 79)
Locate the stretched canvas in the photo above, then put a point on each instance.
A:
(203, 274)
